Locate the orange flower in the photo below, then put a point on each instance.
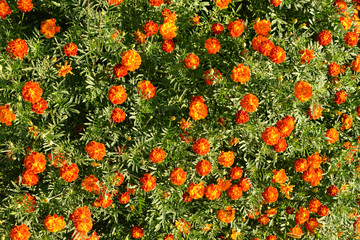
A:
(256, 42)
(314, 205)
(314, 112)
(4, 9)
(324, 38)
(285, 126)
(196, 191)
(103, 201)
(236, 172)
(323, 210)
(306, 55)
(185, 124)
(6, 115)
(169, 17)
(31, 92)
(80, 214)
(346, 22)
(64, 69)
(217, 28)
(280, 146)
(331, 135)
(213, 192)
(201, 146)
(302, 216)
(70, 49)
(340, 97)
(35, 162)
(263, 219)
(356, 64)
(311, 225)
(150, 28)
(182, 226)
(212, 45)
(277, 55)
(275, 3)
(222, 4)
(168, 46)
(69, 172)
(196, 19)
(303, 91)
(91, 184)
(168, 30)
(131, 60)
(226, 215)
(48, 28)
(241, 74)
(234, 192)
(241, 117)
(191, 61)
(117, 94)
(203, 167)
(244, 184)
(157, 155)
(137, 231)
(347, 122)
(332, 190)
(271, 136)
(266, 47)
(212, 76)
(340, 5)
(115, 2)
(249, 102)
(235, 28)
(84, 226)
(226, 158)
(156, 3)
(139, 37)
(17, 48)
(295, 232)
(148, 181)
(312, 176)
(20, 232)
(95, 150)
(270, 194)
(118, 115)
(29, 178)
(124, 198)
(279, 176)
(178, 176)
(54, 223)
(351, 39)
(198, 110)
(314, 160)
(40, 106)
(120, 71)
(262, 27)
(334, 69)
(286, 189)
(146, 89)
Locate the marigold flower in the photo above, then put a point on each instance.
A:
(156, 3)
(103, 201)
(279, 176)
(54, 223)
(241, 117)
(201, 146)
(306, 55)
(212, 45)
(48, 28)
(191, 61)
(295, 232)
(226, 158)
(198, 110)
(286, 126)
(311, 224)
(178, 176)
(168, 30)
(146, 89)
(234, 192)
(139, 37)
(118, 115)
(131, 60)
(196, 191)
(270, 194)
(150, 28)
(266, 47)
(314, 205)
(29, 178)
(314, 112)
(70, 49)
(80, 214)
(148, 181)
(124, 198)
(168, 46)
(226, 215)
(69, 172)
(4, 9)
(256, 42)
(286, 189)
(303, 91)
(312, 176)
(17, 48)
(271, 237)
(236, 172)
(302, 216)
(346, 22)
(263, 219)
(95, 150)
(31, 92)
(262, 27)
(157, 155)
(120, 71)
(334, 69)
(356, 64)
(40, 106)
(117, 94)
(314, 160)
(324, 38)
(35, 162)
(275, 3)
(323, 210)
(331, 135)
(20, 232)
(235, 28)
(186, 197)
(196, 19)
(115, 2)
(182, 226)
(244, 184)
(212, 76)
(91, 184)
(6, 115)
(271, 136)
(249, 102)
(222, 4)
(213, 192)
(332, 190)
(340, 5)
(83, 226)
(277, 55)
(217, 28)
(340, 97)
(347, 122)
(241, 73)
(203, 167)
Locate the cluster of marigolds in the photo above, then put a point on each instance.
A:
(35, 163)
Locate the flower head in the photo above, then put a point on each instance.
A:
(222, 4)
(303, 91)
(131, 60)
(146, 89)
(203, 167)
(54, 223)
(262, 27)
(20, 232)
(226, 158)
(6, 115)
(270, 194)
(69, 172)
(4, 9)
(117, 94)
(271, 136)
(95, 150)
(48, 28)
(178, 176)
(191, 61)
(64, 69)
(241, 74)
(70, 49)
(324, 38)
(137, 231)
(226, 215)
(148, 181)
(235, 28)
(17, 48)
